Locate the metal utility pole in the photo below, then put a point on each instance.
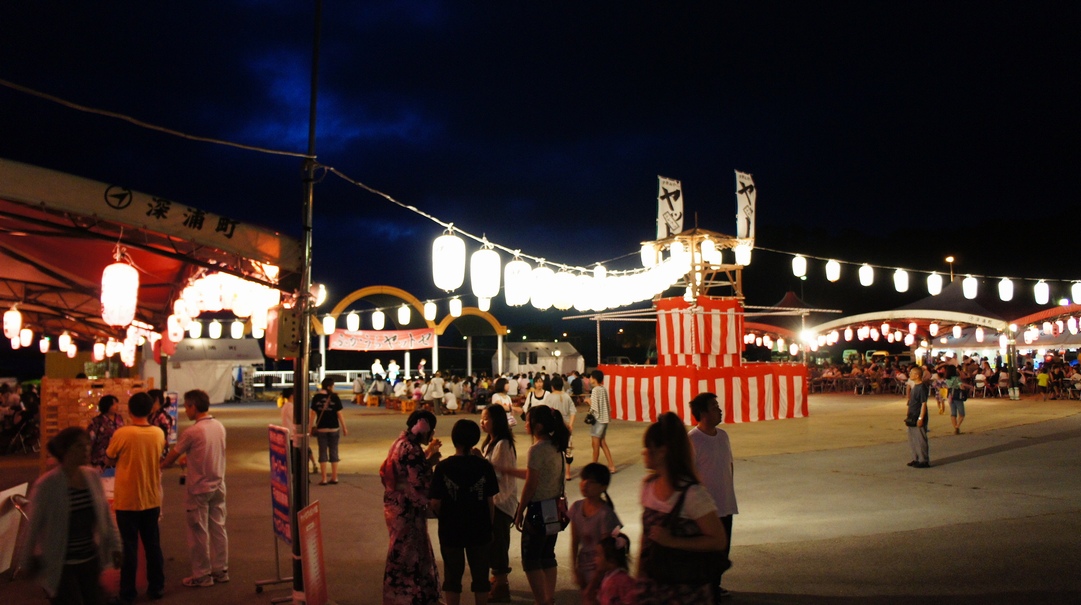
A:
(304, 311)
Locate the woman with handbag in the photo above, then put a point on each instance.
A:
(682, 537)
(542, 512)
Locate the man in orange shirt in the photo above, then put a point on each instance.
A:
(136, 449)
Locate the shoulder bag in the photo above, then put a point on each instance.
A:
(551, 513)
(667, 565)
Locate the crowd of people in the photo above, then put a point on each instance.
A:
(19, 409)
(73, 534)
(688, 503)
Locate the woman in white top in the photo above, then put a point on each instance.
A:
(498, 448)
(500, 396)
(668, 455)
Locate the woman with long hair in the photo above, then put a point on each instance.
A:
(411, 575)
(673, 482)
(498, 448)
(543, 483)
(72, 535)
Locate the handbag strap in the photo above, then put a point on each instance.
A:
(673, 515)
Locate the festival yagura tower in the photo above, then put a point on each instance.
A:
(699, 346)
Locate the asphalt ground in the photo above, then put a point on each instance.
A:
(829, 511)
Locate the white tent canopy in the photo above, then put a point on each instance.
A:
(211, 365)
(550, 357)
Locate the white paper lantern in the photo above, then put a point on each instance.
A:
(64, 341)
(867, 275)
(174, 330)
(236, 330)
(885, 327)
(352, 321)
(13, 322)
(932, 329)
(758, 341)
(910, 340)
(890, 338)
(215, 329)
(793, 349)
(448, 262)
(848, 334)
(1005, 289)
(195, 329)
(1047, 328)
(16, 344)
(1071, 325)
(969, 286)
(1042, 292)
(833, 270)
(1075, 293)
(484, 267)
(912, 327)
(119, 294)
(99, 351)
(1002, 341)
(257, 332)
(563, 290)
(404, 315)
(484, 304)
(72, 351)
(900, 280)
(799, 266)
(649, 256)
(516, 282)
(979, 334)
(455, 307)
(210, 292)
(957, 331)
(541, 294)
(934, 284)
(379, 319)
(26, 337)
(743, 254)
(874, 334)
(328, 325)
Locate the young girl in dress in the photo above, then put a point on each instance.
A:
(617, 587)
(592, 519)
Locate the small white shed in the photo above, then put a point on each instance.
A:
(212, 365)
(523, 357)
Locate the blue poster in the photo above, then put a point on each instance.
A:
(173, 399)
(279, 483)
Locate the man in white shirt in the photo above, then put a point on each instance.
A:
(204, 444)
(512, 386)
(713, 459)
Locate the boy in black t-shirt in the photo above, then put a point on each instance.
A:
(461, 496)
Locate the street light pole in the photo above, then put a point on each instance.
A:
(949, 259)
(305, 307)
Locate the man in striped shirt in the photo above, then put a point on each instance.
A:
(602, 412)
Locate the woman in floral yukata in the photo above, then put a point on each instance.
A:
(411, 576)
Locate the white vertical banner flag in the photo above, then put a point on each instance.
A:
(745, 199)
(669, 207)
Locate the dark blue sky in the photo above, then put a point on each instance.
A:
(891, 133)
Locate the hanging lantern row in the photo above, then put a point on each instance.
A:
(565, 287)
(379, 318)
(216, 292)
(969, 285)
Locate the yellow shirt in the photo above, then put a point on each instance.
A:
(137, 450)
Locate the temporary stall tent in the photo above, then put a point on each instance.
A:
(522, 357)
(211, 365)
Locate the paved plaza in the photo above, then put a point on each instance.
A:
(829, 511)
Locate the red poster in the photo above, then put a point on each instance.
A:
(311, 555)
(381, 340)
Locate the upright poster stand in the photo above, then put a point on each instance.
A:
(281, 473)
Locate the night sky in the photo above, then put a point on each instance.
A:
(889, 133)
